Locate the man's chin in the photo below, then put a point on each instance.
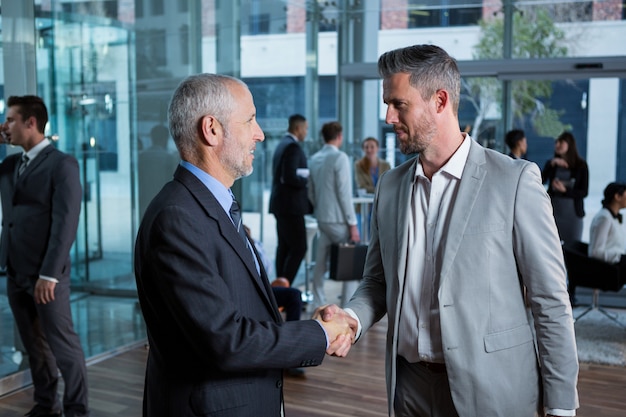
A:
(246, 173)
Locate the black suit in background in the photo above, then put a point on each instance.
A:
(289, 203)
(40, 218)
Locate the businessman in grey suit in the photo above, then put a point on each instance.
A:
(218, 344)
(466, 261)
(41, 197)
(330, 192)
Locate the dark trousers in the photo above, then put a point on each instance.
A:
(290, 299)
(421, 392)
(291, 247)
(48, 335)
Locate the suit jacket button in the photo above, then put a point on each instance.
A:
(279, 384)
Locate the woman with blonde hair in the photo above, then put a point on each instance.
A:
(368, 169)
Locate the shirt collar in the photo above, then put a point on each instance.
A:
(222, 194)
(36, 150)
(456, 163)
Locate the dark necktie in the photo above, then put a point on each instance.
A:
(235, 213)
(23, 164)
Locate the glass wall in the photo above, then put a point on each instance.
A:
(107, 70)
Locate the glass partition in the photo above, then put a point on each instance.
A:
(80, 61)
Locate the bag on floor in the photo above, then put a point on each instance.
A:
(347, 261)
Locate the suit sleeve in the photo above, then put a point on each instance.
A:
(204, 290)
(539, 257)
(292, 159)
(65, 211)
(343, 188)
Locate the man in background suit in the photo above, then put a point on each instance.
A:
(516, 141)
(464, 258)
(155, 166)
(218, 344)
(41, 197)
(289, 201)
(330, 192)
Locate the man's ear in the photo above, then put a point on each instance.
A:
(31, 121)
(442, 100)
(211, 130)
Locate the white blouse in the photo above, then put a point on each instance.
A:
(607, 237)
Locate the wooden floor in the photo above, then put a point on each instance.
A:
(352, 386)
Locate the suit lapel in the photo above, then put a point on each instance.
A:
(469, 187)
(402, 219)
(32, 165)
(227, 231)
(266, 284)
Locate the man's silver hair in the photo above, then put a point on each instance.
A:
(197, 96)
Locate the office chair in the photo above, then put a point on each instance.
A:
(583, 271)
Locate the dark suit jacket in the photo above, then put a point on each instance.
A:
(289, 191)
(217, 342)
(40, 213)
(578, 192)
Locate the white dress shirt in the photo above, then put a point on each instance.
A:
(607, 237)
(429, 216)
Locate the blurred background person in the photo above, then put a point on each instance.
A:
(330, 192)
(156, 166)
(41, 203)
(567, 176)
(607, 235)
(516, 141)
(367, 170)
(289, 201)
(370, 167)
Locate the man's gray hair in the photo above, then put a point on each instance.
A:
(197, 96)
(430, 69)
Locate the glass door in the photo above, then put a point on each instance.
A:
(83, 66)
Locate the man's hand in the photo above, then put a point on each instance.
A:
(340, 327)
(354, 234)
(44, 291)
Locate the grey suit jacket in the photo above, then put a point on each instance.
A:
(330, 186)
(40, 212)
(217, 342)
(502, 237)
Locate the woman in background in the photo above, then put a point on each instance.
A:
(370, 167)
(367, 170)
(607, 235)
(567, 175)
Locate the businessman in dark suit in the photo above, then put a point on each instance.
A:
(217, 342)
(41, 197)
(288, 201)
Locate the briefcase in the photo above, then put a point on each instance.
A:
(347, 261)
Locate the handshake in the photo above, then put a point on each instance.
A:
(340, 328)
